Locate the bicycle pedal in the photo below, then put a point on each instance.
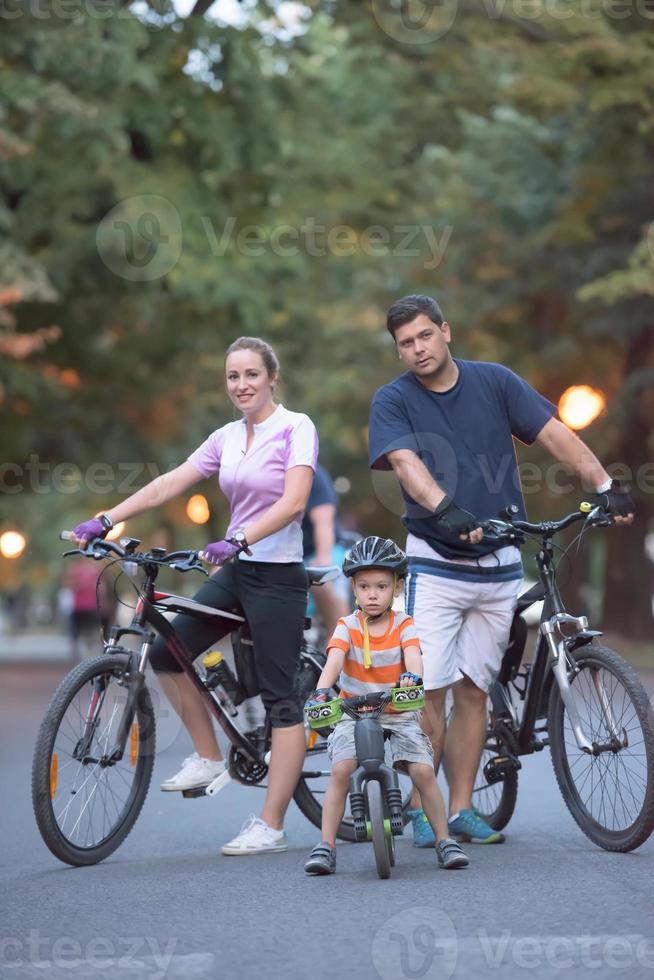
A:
(191, 794)
(499, 767)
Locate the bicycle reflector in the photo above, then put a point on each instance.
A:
(408, 698)
(324, 714)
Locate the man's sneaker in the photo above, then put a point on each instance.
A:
(195, 772)
(322, 860)
(256, 837)
(468, 825)
(423, 835)
(450, 855)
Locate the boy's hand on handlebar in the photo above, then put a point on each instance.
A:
(408, 679)
(618, 503)
(319, 696)
(88, 530)
(459, 522)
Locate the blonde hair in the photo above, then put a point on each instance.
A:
(268, 356)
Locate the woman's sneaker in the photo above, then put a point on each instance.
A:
(322, 860)
(195, 772)
(256, 837)
(423, 835)
(468, 825)
(450, 855)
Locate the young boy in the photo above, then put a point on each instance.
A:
(377, 649)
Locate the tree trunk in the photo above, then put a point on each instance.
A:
(629, 572)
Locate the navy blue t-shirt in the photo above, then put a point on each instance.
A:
(464, 437)
(322, 492)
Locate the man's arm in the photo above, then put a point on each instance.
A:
(569, 449)
(420, 484)
(322, 518)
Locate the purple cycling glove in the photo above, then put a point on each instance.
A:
(89, 530)
(219, 552)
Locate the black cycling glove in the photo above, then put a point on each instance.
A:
(456, 520)
(617, 500)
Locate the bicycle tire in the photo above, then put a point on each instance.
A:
(111, 666)
(637, 832)
(375, 803)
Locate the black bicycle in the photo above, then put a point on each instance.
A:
(577, 696)
(95, 748)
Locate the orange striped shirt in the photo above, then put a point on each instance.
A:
(387, 653)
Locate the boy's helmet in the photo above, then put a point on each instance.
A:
(374, 552)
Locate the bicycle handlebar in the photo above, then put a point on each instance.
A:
(513, 531)
(98, 548)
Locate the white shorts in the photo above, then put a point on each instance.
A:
(462, 611)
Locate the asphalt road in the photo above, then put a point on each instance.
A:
(547, 903)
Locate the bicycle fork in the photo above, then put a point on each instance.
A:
(558, 653)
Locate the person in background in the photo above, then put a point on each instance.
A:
(320, 533)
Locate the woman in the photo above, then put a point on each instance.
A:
(265, 463)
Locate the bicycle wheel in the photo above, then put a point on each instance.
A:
(376, 816)
(85, 809)
(610, 795)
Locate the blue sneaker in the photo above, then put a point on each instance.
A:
(423, 835)
(469, 826)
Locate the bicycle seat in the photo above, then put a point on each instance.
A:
(318, 576)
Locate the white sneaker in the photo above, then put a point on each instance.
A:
(256, 837)
(195, 772)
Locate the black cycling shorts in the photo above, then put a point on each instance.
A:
(273, 599)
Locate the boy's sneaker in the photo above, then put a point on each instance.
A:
(256, 837)
(195, 772)
(322, 860)
(423, 835)
(468, 825)
(450, 855)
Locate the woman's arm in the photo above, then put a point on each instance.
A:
(157, 492)
(297, 487)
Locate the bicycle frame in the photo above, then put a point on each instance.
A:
(552, 649)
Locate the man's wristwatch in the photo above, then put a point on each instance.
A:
(238, 538)
(106, 521)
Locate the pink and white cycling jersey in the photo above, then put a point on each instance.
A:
(253, 481)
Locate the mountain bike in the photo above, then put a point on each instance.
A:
(576, 696)
(95, 749)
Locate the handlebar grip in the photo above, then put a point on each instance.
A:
(66, 536)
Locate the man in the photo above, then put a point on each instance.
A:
(446, 428)
(320, 532)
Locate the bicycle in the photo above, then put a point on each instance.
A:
(578, 697)
(95, 748)
(375, 795)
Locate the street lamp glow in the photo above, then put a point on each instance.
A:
(580, 405)
(12, 544)
(197, 509)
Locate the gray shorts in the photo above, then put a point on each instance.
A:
(407, 742)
